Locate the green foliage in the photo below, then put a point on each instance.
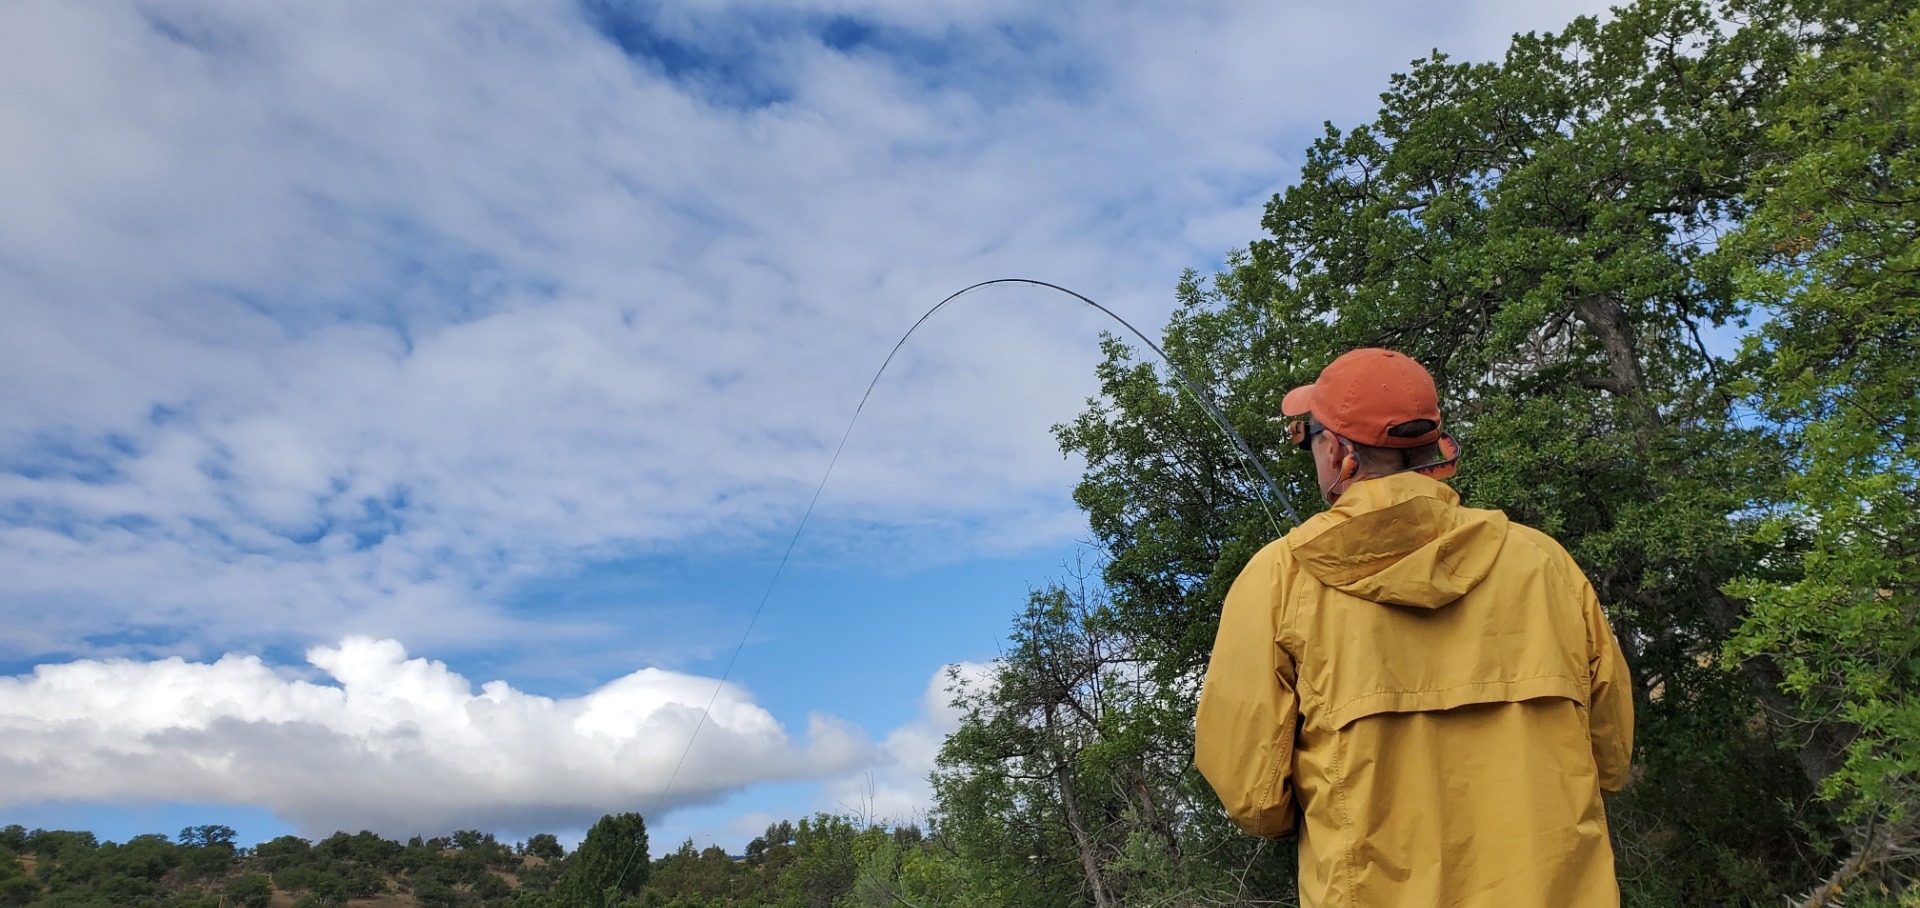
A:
(1068, 781)
(537, 876)
(16, 888)
(490, 888)
(206, 851)
(1008, 776)
(207, 837)
(822, 860)
(285, 851)
(252, 890)
(55, 845)
(904, 865)
(1555, 235)
(610, 865)
(823, 863)
(1830, 250)
(205, 869)
(545, 847)
(695, 876)
(363, 847)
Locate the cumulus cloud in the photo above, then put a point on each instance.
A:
(397, 744)
(896, 789)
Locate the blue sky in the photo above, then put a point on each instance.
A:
(407, 405)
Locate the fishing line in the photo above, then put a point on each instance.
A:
(1200, 396)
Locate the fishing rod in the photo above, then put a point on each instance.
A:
(1242, 448)
(1200, 396)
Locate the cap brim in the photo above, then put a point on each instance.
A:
(1298, 402)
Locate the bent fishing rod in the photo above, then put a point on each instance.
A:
(1199, 394)
(1270, 490)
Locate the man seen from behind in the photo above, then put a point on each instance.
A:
(1428, 694)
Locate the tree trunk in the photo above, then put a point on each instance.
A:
(1824, 743)
(1089, 861)
(1150, 812)
(1606, 316)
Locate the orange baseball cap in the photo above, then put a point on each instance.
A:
(1373, 397)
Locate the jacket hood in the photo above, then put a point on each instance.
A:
(1402, 540)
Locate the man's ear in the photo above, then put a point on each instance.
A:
(1349, 462)
(1346, 467)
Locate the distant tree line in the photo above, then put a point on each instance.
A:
(822, 861)
(202, 867)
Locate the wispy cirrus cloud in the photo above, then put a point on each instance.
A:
(340, 318)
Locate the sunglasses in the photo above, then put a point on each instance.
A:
(1300, 432)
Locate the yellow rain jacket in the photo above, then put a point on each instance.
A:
(1431, 696)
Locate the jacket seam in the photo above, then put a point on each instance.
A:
(1560, 676)
(1347, 844)
(1283, 760)
(1343, 809)
(1273, 776)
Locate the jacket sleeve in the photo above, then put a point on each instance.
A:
(1610, 703)
(1243, 735)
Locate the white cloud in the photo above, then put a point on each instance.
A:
(400, 745)
(348, 317)
(895, 790)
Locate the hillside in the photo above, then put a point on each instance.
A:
(820, 860)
